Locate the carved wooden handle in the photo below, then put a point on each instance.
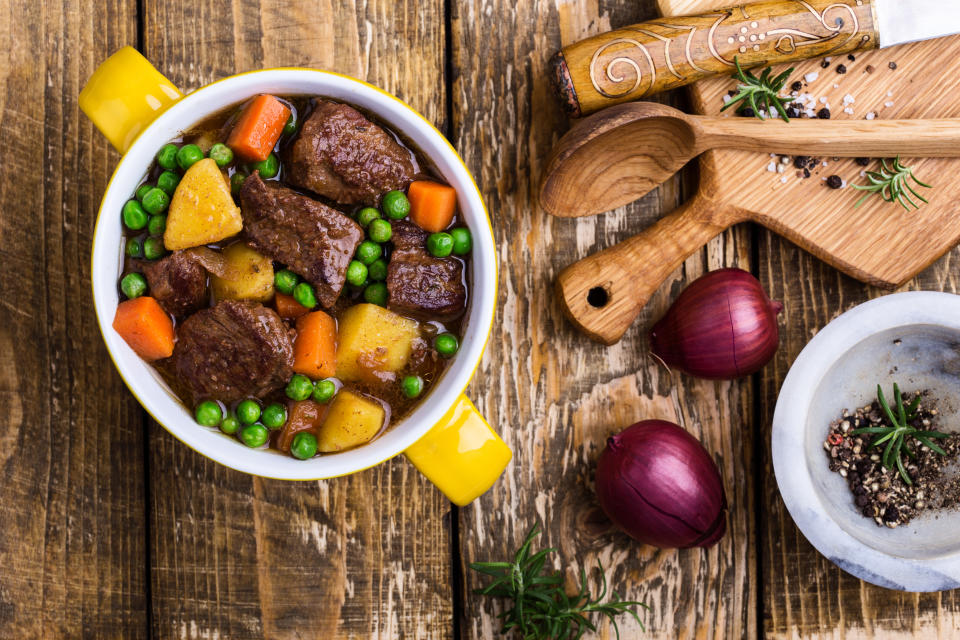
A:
(643, 59)
(603, 293)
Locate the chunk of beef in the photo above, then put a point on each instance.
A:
(232, 351)
(343, 156)
(312, 239)
(178, 282)
(419, 284)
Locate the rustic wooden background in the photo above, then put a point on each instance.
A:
(110, 528)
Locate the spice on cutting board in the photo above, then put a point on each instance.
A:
(903, 475)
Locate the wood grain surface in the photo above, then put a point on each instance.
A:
(110, 528)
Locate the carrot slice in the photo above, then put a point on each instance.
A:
(315, 347)
(258, 128)
(288, 307)
(432, 205)
(146, 327)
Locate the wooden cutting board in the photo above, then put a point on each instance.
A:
(879, 243)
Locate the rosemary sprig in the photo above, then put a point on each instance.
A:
(892, 183)
(760, 93)
(895, 436)
(541, 609)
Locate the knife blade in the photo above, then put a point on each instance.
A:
(643, 59)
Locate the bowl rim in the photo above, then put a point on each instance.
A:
(482, 303)
(789, 419)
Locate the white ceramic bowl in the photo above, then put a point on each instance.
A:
(910, 338)
(147, 385)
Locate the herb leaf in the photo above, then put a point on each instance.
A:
(541, 609)
(896, 434)
(892, 184)
(761, 93)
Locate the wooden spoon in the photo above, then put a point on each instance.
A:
(623, 152)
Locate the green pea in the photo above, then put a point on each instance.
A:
(133, 285)
(209, 413)
(376, 293)
(378, 270)
(134, 248)
(134, 216)
(440, 244)
(274, 415)
(412, 386)
(462, 241)
(299, 387)
(367, 215)
(446, 344)
(167, 182)
(254, 435)
(167, 156)
(153, 248)
(357, 273)
(156, 201)
(304, 294)
(230, 425)
(221, 154)
(380, 231)
(142, 190)
(285, 280)
(323, 391)
(268, 168)
(189, 155)
(290, 127)
(395, 205)
(236, 182)
(304, 445)
(248, 411)
(368, 252)
(157, 225)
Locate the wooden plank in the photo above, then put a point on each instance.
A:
(72, 532)
(804, 594)
(240, 557)
(553, 394)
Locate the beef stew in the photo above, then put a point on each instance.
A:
(301, 294)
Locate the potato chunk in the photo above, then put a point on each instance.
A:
(202, 209)
(250, 275)
(373, 339)
(351, 420)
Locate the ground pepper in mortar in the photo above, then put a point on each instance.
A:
(881, 493)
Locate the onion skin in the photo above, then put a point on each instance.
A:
(723, 326)
(658, 484)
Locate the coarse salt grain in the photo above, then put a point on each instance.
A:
(772, 167)
(836, 86)
(825, 163)
(780, 168)
(888, 104)
(848, 110)
(863, 174)
(828, 59)
(727, 99)
(889, 94)
(848, 99)
(812, 76)
(783, 179)
(823, 99)
(871, 115)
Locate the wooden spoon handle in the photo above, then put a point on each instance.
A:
(643, 59)
(844, 138)
(603, 293)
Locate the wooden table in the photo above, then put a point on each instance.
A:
(111, 528)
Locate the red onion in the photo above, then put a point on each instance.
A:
(722, 326)
(658, 484)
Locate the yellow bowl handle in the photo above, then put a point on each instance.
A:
(461, 454)
(124, 95)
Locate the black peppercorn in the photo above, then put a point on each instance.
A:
(824, 64)
(891, 514)
(824, 114)
(801, 161)
(834, 182)
(852, 58)
(863, 162)
(806, 173)
(792, 112)
(797, 86)
(747, 112)
(841, 69)
(893, 65)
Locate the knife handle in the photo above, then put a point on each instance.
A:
(647, 58)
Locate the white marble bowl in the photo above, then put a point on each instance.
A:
(910, 338)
